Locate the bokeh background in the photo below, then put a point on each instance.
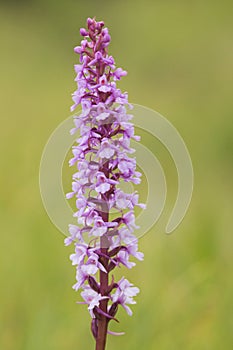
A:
(179, 56)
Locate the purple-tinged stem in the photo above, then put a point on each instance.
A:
(103, 320)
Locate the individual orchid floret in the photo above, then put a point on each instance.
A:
(80, 254)
(106, 150)
(119, 72)
(124, 294)
(92, 299)
(103, 184)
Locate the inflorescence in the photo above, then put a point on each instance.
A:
(104, 235)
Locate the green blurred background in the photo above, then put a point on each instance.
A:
(179, 57)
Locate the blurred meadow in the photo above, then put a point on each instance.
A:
(179, 58)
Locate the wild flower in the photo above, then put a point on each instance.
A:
(105, 213)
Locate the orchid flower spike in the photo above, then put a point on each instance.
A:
(104, 235)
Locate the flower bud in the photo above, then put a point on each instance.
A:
(89, 22)
(106, 38)
(83, 32)
(78, 49)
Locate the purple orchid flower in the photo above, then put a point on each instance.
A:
(102, 158)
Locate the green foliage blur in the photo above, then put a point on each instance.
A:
(179, 59)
